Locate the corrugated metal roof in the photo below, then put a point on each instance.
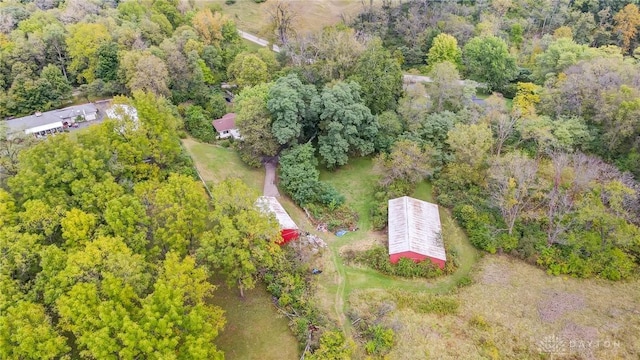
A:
(271, 204)
(414, 225)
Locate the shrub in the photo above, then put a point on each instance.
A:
(230, 2)
(440, 305)
(378, 259)
(380, 340)
(198, 124)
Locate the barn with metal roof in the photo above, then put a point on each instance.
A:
(288, 228)
(415, 231)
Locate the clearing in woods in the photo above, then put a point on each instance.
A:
(311, 15)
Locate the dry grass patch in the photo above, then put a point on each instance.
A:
(312, 15)
(499, 319)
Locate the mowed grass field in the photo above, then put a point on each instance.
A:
(254, 328)
(311, 15)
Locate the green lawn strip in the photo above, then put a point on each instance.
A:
(216, 163)
(356, 182)
(254, 329)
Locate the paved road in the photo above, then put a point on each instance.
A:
(257, 40)
(270, 188)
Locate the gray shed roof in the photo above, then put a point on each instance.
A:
(49, 117)
(414, 225)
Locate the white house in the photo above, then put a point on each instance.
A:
(226, 126)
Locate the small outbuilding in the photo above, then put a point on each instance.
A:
(226, 126)
(288, 228)
(415, 231)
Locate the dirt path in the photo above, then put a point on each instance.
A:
(270, 188)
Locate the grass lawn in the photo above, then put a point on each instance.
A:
(216, 163)
(254, 330)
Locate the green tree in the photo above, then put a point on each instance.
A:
(248, 70)
(176, 320)
(444, 48)
(558, 56)
(108, 61)
(27, 332)
(77, 227)
(407, 162)
(254, 123)
(177, 209)
(470, 143)
(299, 173)
(289, 102)
(380, 78)
(346, 124)
(243, 240)
(198, 124)
(447, 91)
(60, 87)
(487, 60)
(83, 43)
(333, 346)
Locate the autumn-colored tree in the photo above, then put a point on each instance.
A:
(627, 21)
(209, 24)
(526, 99)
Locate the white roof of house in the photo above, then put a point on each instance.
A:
(414, 225)
(272, 205)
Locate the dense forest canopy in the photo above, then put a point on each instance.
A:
(528, 130)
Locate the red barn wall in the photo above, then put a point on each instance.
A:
(288, 235)
(394, 258)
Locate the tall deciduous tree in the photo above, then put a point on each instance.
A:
(470, 143)
(513, 184)
(487, 60)
(289, 102)
(176, 319)
(407, 162)
(27, 332)
(83, 43)
(447, 91)
(346, 124)
(444, 48)
(177, 209)
(627, 22)
(248, 70)
(243, 240)
(380, 78)
(254, 123)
